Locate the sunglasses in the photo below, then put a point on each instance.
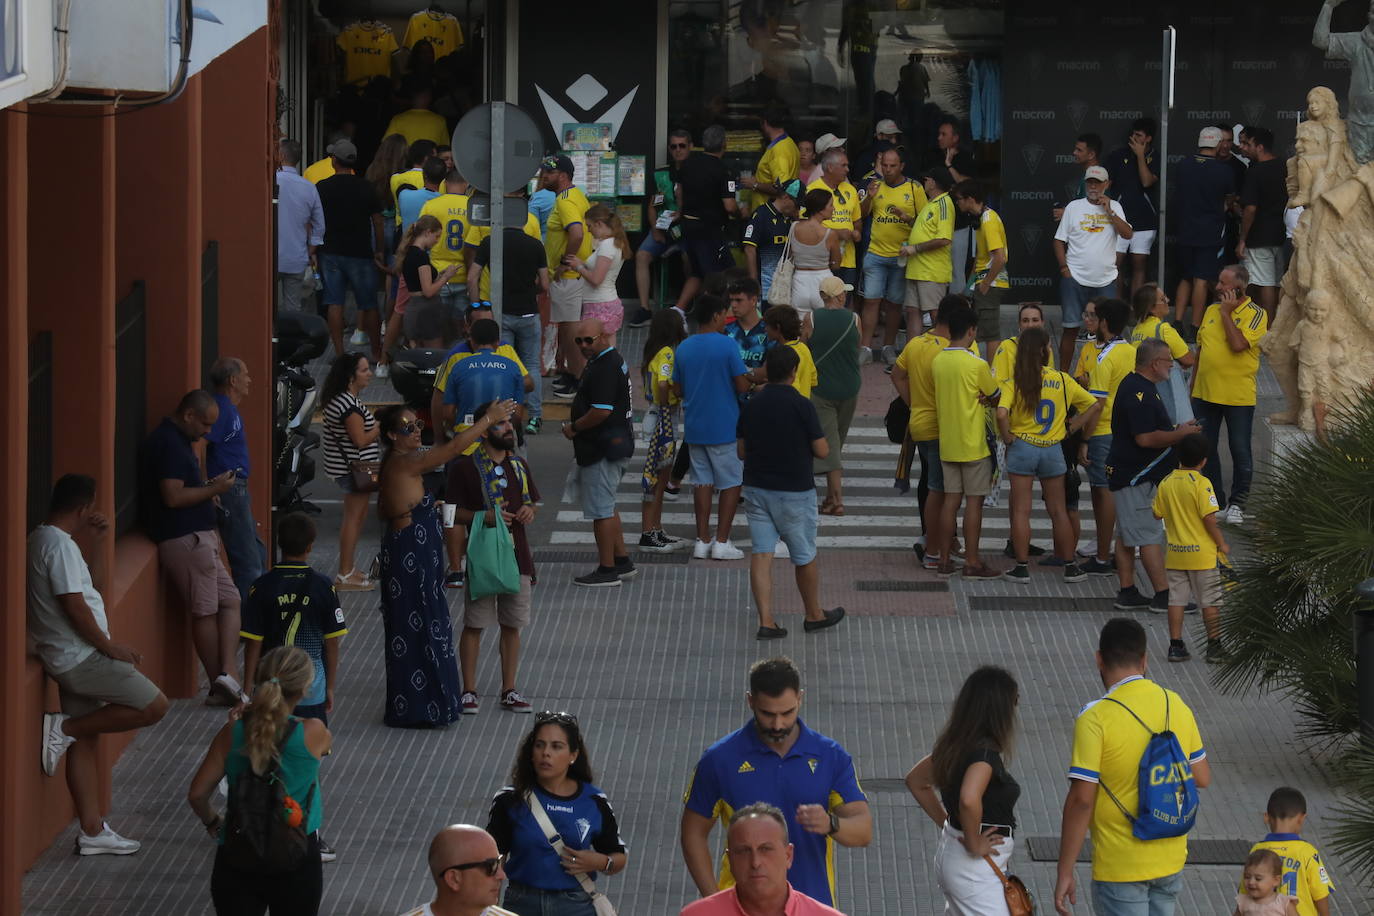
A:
(562, 718)
(586, 340)
(489, 866)
(412, 427)
(677, 146)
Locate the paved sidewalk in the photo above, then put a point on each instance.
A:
(655, 670)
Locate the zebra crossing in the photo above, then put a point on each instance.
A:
(877, 517)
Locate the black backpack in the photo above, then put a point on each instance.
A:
(257, 836)
(897, 419)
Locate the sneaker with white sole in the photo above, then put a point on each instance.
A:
(513, 701)
(1234, 515)
(106, 843)
(702, 549)
(780, 551)
(55, 741)
(230, 689)
(724, 550)
(649, 543)
(889, 355)
(383, 371)
(327, 853)
(470, 703)
(359, 338)
(1018, 573)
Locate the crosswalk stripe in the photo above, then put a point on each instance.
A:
(900, 522)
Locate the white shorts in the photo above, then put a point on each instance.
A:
(1265, 265)
(1140, 242)
(565, 300)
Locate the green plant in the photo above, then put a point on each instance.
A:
(1287, 620)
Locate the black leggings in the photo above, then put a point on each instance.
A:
(293, 893)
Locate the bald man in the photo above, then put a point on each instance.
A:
(467, 871)
(602, 434)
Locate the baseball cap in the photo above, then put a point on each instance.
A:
(1095, 173)
(793, 188)
(887, 126)
(344, 151)
(557, 164)
(834, 286)
(828, 141)
(1209, 138)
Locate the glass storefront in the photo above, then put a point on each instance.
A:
(839, 66)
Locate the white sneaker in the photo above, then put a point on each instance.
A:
(1234, 515)
(227, 687)
(780, 552)
(55, 741)
(926, 320)
(724, 550)
(890, 355)
(383, 371)
(358, 338)
(865, 355)
(106, 843)
(702, 550)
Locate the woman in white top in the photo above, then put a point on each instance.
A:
(815, 249)
(351, 434)
(599, 272)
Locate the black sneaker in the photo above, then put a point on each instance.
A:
(1215, 651)
(1159, 602)
(327, 853)
(771, 633)
(1073, 572)
(1178, 652)
(920, 550)
(1096, 567)
(601, 577)
(454, 579)
(641, 318)
(831, 618)
(649, 543)
(1130, 599)
(1018, 573)
(625, 568)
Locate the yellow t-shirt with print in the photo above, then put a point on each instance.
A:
(410, 177)
(1004, 359)
(960, 377)
(806, 369)
(1304, 875)
(570, 209)
(476, 235)
(319, 170)
(1087, 358)
(451, 210)
(1045, 422)
(1107, 745)
(661, 370)
(1153, 327)
(936, 221)
(887, 231)
(1115, 361)
(990, 236)
(915, 360)
(1223, 375)
(442, 30)
(847, 207)
(1184, 500)
(780, 163)
(419, 124)
(367, 51)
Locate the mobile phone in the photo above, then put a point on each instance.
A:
(999, 829)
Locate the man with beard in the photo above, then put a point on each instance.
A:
(494, 478)
(776, 759)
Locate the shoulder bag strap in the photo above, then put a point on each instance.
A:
(1110, 793)
(831, 349)
(541, 817)
(997, 871)
(787, 245)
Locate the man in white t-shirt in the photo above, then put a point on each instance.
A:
(467, 871)
(100, 689)
(1085, 245)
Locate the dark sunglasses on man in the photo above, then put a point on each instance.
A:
(489, 866)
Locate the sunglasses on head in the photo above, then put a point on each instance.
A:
(489, 866)
(585, 340)
(414, 426)
(562, 718)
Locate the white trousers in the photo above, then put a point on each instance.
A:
(806, 291)
(969, 884)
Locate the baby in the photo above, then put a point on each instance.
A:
(1261, 897)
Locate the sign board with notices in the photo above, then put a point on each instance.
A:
(586, 137)
(594, 172)
(630, 176)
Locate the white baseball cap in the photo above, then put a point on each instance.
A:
(887, 126)
(828, 141)
(1095, 173)
(1209, 138)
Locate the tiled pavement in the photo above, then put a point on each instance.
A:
(655, 671)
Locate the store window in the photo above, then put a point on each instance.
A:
(840, 66)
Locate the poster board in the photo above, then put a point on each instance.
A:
(586, 137)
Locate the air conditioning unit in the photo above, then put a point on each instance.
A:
(26, 49)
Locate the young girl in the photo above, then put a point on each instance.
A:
(1149, 305)
(1262, 877)
(599, 272)
(665, 333)
(418, 299)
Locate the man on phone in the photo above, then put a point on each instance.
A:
(1085, 246)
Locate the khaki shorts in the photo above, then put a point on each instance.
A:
(508, 610)
(565, 300)
(924, 294)
(971, 477)
(196, 573)
(1200, 585)
(99, 681)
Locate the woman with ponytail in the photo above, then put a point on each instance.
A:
(418, 299)
(267, 735)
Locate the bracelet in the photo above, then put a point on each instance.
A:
(610, 863)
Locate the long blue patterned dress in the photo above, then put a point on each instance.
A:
(422, 687)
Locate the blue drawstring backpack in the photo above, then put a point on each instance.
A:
(1167, 795)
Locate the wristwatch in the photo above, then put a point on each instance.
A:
(834, 824)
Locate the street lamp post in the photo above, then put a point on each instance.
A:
(1364, 659)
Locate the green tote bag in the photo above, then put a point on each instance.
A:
(492, 569)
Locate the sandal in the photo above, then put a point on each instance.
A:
(830, 508)
(355, 581)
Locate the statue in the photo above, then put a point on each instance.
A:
(1321, 345)
(1358, 49)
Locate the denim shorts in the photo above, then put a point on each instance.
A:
(656, 249)
(786, 515)
(598, 482)
(524, 900)
(1098, 447)
(1042, 461)
(341, 273)
(884, 278)
(1156, 897)
(930, 460)
(718, 466)
(1074, 296)
(346, 483)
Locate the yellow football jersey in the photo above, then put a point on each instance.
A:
(1184, 499)
(568, 210)
(367, 48)
(451, 210)
(1044, 423)
(888, 231)
(442, 30)
(936, 221)
(1114, 362)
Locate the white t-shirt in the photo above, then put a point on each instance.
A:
(608, 250)
(427, 910)
(56, 567)
(1090, 239)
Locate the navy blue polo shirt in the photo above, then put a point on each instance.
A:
(1200, 189)
(226, 449)
(741, 769)
(1137, 201)
(167, 455)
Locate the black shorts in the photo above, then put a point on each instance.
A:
(706, 253)
(1200, 262)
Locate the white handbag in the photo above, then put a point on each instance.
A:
(780, 287)
(600, 902)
